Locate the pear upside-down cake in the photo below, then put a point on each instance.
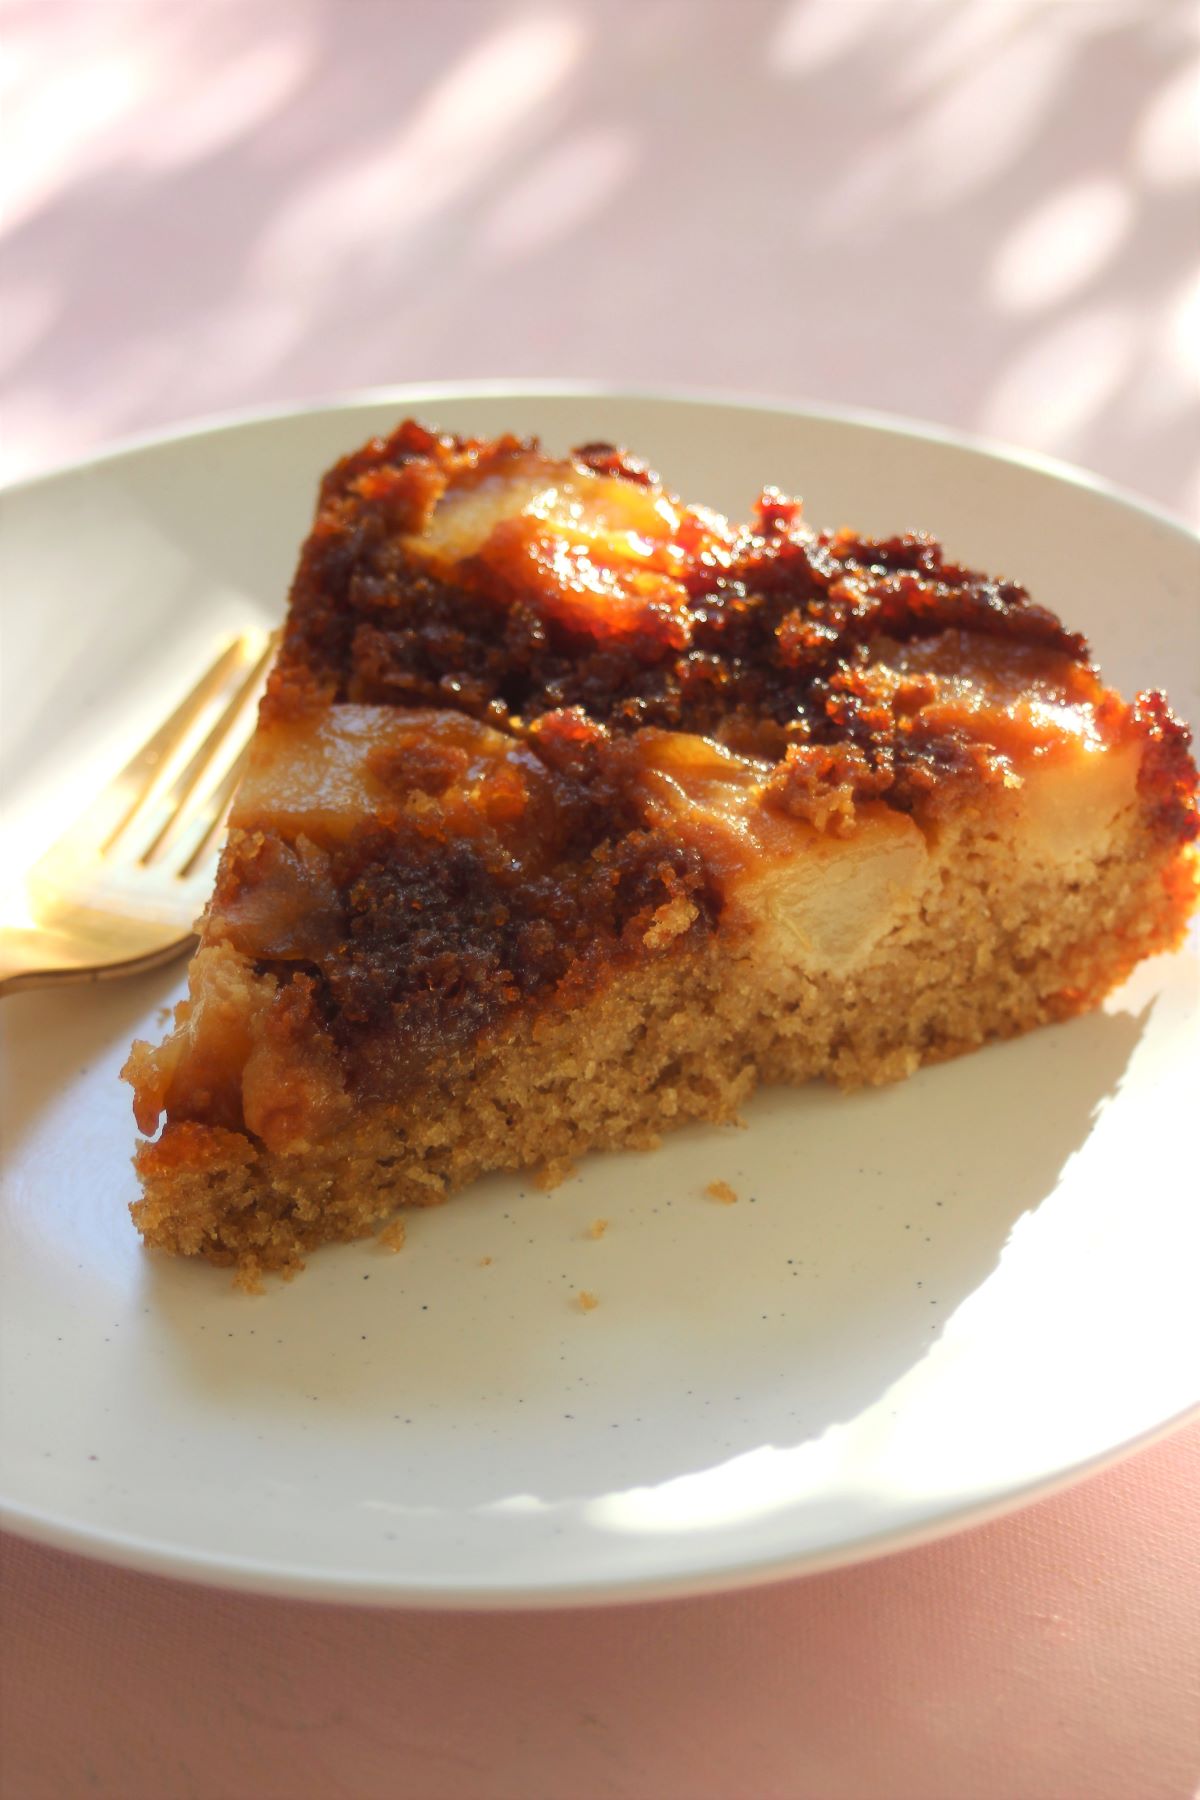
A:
(573, 812)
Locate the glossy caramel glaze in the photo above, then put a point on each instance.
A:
(762, 637)
(782, 642)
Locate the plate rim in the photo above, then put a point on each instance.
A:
(138, 1553)
(584, 387)
(282, 1581)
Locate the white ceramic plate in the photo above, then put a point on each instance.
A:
(929, 1302)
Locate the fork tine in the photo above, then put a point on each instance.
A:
(141, 773)
(185, 784)
(212, 813)
(86, 913)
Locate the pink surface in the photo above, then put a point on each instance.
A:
(983, 215)
(1047, 1657)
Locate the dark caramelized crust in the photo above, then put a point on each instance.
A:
(492, 876)
(1167, 776)
(769, 636)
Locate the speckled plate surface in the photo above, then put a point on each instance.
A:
(927, 1302)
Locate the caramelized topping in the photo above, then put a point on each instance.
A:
(489, 874)
(488, 578)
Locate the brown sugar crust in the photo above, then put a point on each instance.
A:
(760, 637)
(777, 640)
(497, 874)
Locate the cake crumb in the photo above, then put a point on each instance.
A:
(670, 922)
(597, 1228)
(392, 1236)
(248, 1279)
(721, 1190)
(586, 1302)
(553, 1172)
(485, 1262)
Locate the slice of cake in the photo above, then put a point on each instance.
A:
(574, 812)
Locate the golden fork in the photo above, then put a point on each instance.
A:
(120, 890)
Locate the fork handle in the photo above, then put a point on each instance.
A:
(30, 959)
(26, 958)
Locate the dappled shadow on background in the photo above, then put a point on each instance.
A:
(854, 203)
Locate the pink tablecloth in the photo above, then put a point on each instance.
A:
(1051, 1656)
(984, 215)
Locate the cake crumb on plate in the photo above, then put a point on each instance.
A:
(721, 1190)
(553, 1172)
